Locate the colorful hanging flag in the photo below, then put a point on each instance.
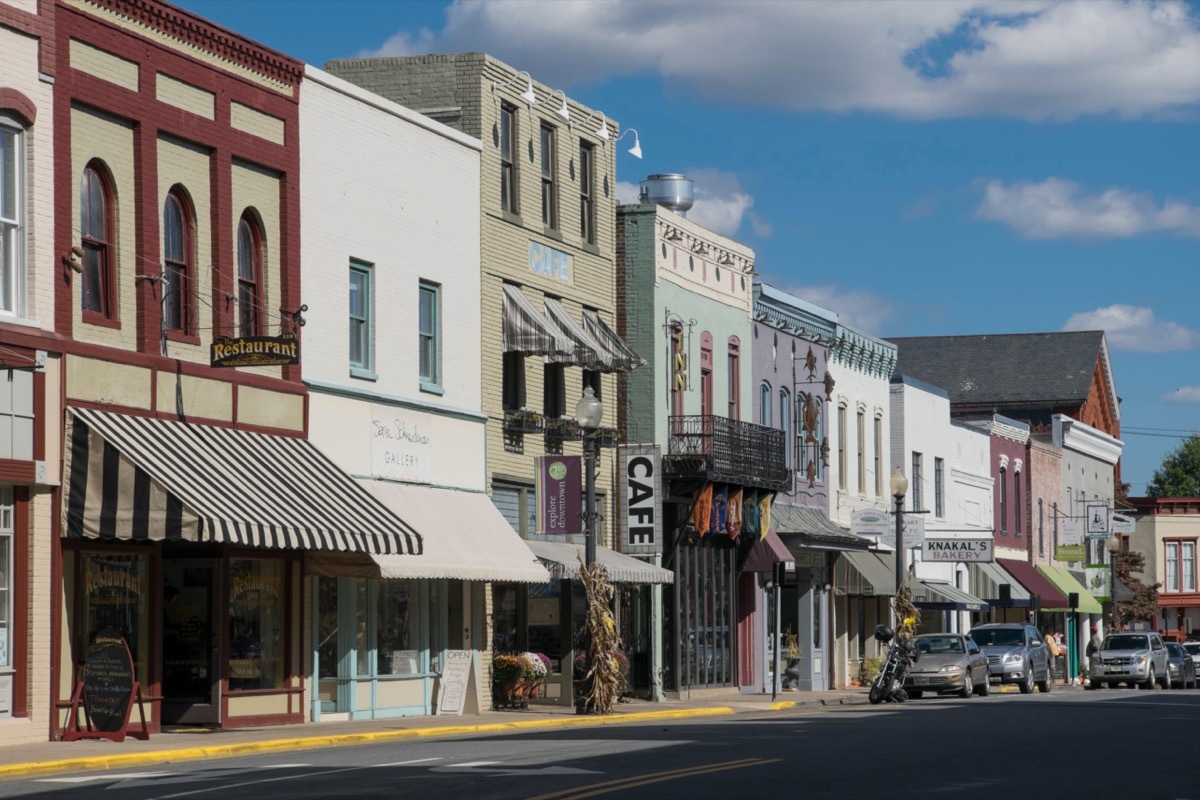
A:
(750, 514)
(702, 510)
(735, 513)
(720, 510)
(764, 521)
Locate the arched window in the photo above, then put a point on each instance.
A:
(706, 374)
(12, 214)
(764, 404)
(735, 378)
(96, 201)
(178, 263)
(250, 268)
(785, 413)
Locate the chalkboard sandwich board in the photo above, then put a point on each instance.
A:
(106, 690)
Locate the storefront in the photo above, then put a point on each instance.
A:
(1073, 623)
(189, 540)
(864, 584)
(1007, 599)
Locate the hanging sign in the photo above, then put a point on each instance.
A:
(254, 351)
(870, 522)
(640, 497)
(1071, 546)
(956, 550)
(559, 495)
(452, 693)
(1121, 523)
(1097, 520)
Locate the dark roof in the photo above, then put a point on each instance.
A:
(1033, 369)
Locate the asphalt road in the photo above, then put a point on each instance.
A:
(1125, 744)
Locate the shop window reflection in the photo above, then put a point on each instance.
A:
(256, 640)
(114, 591)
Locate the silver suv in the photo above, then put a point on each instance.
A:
(1138, 658)
(1015, 653)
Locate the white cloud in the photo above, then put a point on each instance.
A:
(858, 309)
(1032, 59)
(1057, 208)
(720, 202)
(1135, 328)
(1184, 394)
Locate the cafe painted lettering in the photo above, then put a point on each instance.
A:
(641, 501)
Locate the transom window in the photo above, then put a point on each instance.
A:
(177, 263)
(429, 323)
(12, 194)
(96, 230)
(250, 270)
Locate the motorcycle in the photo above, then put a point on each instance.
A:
(888, 685)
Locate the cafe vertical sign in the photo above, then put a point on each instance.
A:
(640, 496)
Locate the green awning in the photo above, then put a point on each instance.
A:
(1066, 583)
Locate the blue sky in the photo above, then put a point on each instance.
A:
(923, 168)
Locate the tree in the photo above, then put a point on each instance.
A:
(1144, 607)
(1179, 475)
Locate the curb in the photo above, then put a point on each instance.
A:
(311, 742)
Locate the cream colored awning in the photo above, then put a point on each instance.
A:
(466, 538)
(563, 558)
(587, 352)
(527, 330)
(622, 356)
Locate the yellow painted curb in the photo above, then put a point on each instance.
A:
(782, 704)
(312, 742)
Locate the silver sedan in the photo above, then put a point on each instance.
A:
(947, 662)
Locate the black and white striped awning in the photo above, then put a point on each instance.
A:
(143, 479)
(526, 330)
(586, 351)
(622, 357)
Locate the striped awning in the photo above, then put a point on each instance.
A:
(622, 356)
(526, 330)
(586, 351)
(942, 596)
(860, 573)
(562, 559)
(144, 479)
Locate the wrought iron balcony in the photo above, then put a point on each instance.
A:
(725, 450)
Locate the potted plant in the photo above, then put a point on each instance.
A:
(522, 420)
(507, 670)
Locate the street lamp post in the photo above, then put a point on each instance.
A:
(899, 487)
(588, 413)
(1113, 544)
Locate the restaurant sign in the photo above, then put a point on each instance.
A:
(255, 351)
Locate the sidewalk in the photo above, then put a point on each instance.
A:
(197, 743)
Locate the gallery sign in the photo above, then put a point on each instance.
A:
(640, 497)
(978, 550)
(401, 445)
(559, 495)
(254, 351)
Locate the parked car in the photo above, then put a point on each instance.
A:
(1180, 667)
(1193, 650)
(947, 662)
(1015, 654)
(1138, 658)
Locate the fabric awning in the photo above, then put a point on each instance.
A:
(1066, 583)
(466, 537)
(144, 479)
(586, 351)
(1034, 583)
(562, 559)
(622, 355)
(943, 596)
(526, 330)
(864, 574)
(813, 529)
(986, 578)
(765, 552)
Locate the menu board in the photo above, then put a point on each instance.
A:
(108, 681)
(455, 676)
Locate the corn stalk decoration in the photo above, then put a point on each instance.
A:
(908, 616)
(604, 679)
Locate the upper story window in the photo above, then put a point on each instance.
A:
(1041, 533)
(735, 378)
(862, 452)
(841, 432)
(361, 307)
(918, 481)
(1179, 560)
(97, 229)
(764, 404)
(785, 425)
(250, 271)
(587, 193)
(706, 374)
(1003, 501)
(879, 456)
(508, 160)
(429, 322)
(939, 487)
(1018, 505)
(178, 236)
(12, 213)
(679, 372)
(549, 177)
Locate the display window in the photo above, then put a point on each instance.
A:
(256, 624)
(114, 594)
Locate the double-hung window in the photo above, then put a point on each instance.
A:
(177, 263)
(862, 452)
(918, 502)
(12, 210)
(97, 232)
(587, 196)
(1187, 566)
(361, 302)
(1171, 584)
(549, 173)
(939, 487)
(250, 270)
(508, 160)
(841, 434)
(429, 340)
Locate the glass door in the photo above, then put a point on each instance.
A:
(191, 675)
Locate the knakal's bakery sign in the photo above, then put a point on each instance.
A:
(255, 351)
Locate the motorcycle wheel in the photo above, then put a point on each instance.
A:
(875, 696)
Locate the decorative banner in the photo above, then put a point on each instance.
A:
(957, 550)
(702, 510)
(254, 351)
(735, 513)
(720, 510)
(764, 515)
(559, 495)
(639, 516)
(1097, 519)
(870, 522)
(750, 516)
(1098, 579)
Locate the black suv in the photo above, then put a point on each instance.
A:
(1015, 653)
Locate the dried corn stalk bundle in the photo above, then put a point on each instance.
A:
(604, 677)
(908, 615)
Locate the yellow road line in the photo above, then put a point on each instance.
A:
(606, 787)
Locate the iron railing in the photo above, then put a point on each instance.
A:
(724, 450)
